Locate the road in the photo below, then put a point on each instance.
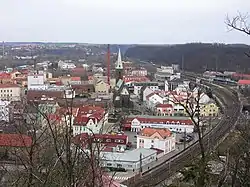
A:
(170, 166)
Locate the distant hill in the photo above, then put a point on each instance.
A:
(195, 56)
(123, 48)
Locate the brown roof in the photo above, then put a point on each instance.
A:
(38, 94)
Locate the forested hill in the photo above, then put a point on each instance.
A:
(195, 56)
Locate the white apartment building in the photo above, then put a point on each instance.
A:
(151, 138)
(139, 72)
(10, 92)
(36, 81)
(89, 119)
(4, 111)
(139, 85)
(65, 65)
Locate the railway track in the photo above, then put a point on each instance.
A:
(164, 170)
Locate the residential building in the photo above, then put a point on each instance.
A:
(145, 92)
(129, 79)
(153, 99)
(101, 88)
(10, 92)
(162, 139)
(129, 159)
(36, 81)
(174, 124)
(137, 87)
(66, 65)
(5, 78)
(4, 111)
(164, 109)
(9, 143)
(83, 89)
(139, 72)
(52, 92)
(89, 119)
(166, 73)
(210, 109)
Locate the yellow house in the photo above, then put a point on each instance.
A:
(209, 109)
(101, 87)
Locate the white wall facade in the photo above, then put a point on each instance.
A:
(137, 126)
(36, 79)
(4, 111)
(153, 101)
(92, 127)
(146, 92)
(167, 145)
(141, 72)
(10, 93)
(137, 89)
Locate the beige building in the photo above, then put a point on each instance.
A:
(101, 87)
(10, 92)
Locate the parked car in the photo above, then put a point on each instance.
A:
(187, 138)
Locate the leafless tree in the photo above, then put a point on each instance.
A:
(55, 157)
(192, 108)
(241, 23)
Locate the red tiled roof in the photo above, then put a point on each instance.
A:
(9, 86)
(75, 70)
(75, 78)
(86, 113)
(5, 75)
(164, 106)
(15, 140)
(244, 82)
(239, 75)
(150, 131)
(135, 79)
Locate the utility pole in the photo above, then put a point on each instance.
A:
(182, 63)
(185, 134)
(140, 163)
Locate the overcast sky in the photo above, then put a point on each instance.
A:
(120, 21)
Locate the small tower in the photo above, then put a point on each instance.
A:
(119, 67)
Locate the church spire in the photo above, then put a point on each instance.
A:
(119, 64)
